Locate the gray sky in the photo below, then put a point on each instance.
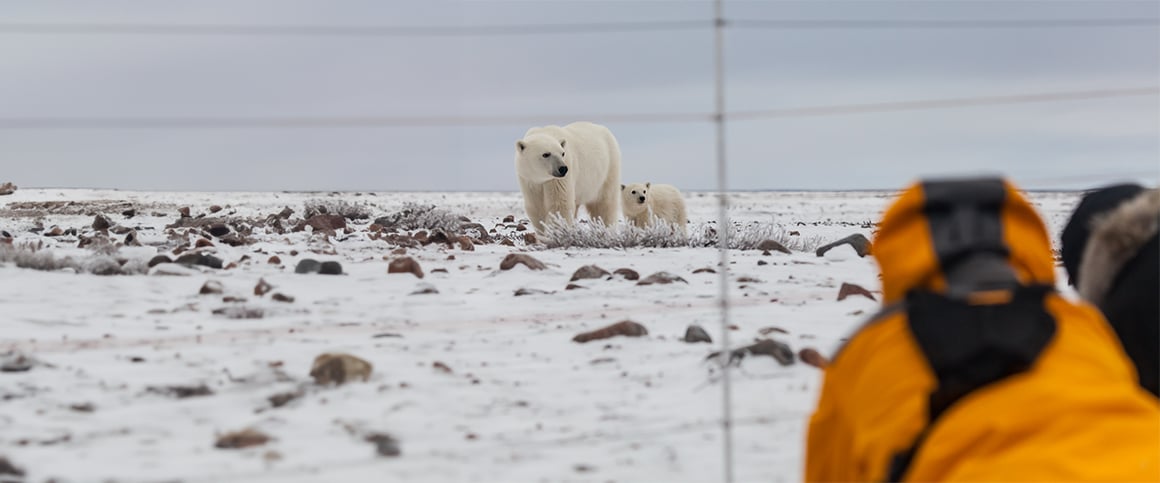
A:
(1049, 145)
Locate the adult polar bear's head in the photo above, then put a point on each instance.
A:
(540, 158)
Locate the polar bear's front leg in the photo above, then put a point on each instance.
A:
(559, 199)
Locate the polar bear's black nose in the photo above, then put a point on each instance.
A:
(642, 199)
(561, 171)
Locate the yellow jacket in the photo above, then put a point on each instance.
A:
(1074, 413)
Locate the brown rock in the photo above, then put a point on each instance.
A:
(849, 289)
(263, 287)
(573, 286)
(339, 369)
(280, 297)
(814, 358)
(509, 219)
(6, 467)
(590, 272)
(858, 241)
(324, 223)
(507, 242)
(405, 265)
(5, 190)
(661, 278)
(55, 231)
(772, 348)
(531, 291)
(770, 330)
(626, 328)
(521, 227)
(441, 367)
(282, 399)
(132, 240)
(465, 244)
(183, 211)
(215, 209)
(181, 392)
(101, 223)
(526, 260)
(704, 270)
(530, 238)
(426, 289)
(240, 312)
(773, 246)
(385, 445)
(627, 273)
(422, 237)
(218, 229)
(399, 251)
(203, 243)
(274, 260)
(211, 287)
(694, 334)
(242, 439)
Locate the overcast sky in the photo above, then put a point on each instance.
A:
(1047, 145)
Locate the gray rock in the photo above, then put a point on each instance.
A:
(308, 265)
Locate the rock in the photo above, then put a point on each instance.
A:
(183, 211)
(129, 213)
(531, 291)
(704, 270)
(441, 367)
(280, 297)
(385, 445)
(425, 289)
(762, 263)
(242, 439)
(521, 227)
(858, 241)
(330, 268)
(661, 278)
(16, 362)
(274, 260)
(745, 279)
(324, 222)
(589, 272)
(770, 330)
(339, 369)
(399, 251)
(218, 230)
(285, 213)
(307, 265)
(101, 223)
(626, 328)
(5, 190)
(263, 287)
(695, 334)
(627, 273)
(200, 259)
(159, 259)
(465, 244)
(203, 243)
(131, 239)
(794, 233)
(849, 289)
(212, 287)
(507, 242)
(284, 398)
(87, 407)
(6, 467)
(772, 348)
(530, 238)
(231, 299)
(573, 286)
(772, 246)
(814, 358)
(214, 209)
(509, 219)
(405, 265)
(55, 231)
(181, 392)
(526, 260)
(240, 312)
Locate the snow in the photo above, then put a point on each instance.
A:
(522, 403)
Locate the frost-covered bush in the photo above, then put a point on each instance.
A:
(414, 216)
(559, 234)
(348, 210)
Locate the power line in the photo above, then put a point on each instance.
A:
(348, 31)
(942, 24)
(305, 122)
(47, 28)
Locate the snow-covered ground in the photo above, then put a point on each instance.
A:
(522, 402)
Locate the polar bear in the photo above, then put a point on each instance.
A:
(561, 168)
(646, 202)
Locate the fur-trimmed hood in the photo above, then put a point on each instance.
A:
(1116, 237)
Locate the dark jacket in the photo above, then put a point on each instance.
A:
(1118, 269)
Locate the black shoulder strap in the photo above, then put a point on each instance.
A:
(969, 346)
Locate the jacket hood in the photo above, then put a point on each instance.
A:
(1115, 239)
(980, 227)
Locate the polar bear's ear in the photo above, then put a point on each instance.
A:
(621, 187)
(520, 145)
(562, 143)
(648, 185)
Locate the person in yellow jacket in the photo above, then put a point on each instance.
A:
(977, 369)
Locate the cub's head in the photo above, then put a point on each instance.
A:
(540, 158)
(634, 197)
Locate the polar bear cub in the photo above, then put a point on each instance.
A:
(561, 168)
(644, 203)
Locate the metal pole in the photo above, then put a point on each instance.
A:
(723, 235)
